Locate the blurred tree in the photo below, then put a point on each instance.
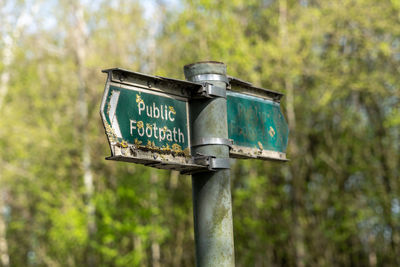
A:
(336, 203)
(337, 64)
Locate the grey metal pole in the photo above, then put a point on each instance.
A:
(212, 203)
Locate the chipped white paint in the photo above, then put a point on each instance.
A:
(111, 115)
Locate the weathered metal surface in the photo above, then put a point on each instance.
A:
(240, 86)
(212, 207)
(156, 160)
(170, 86)
(212, 141)
(146, 119)
(256, 124)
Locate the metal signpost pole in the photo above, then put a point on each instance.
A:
(212, 204)
(194, 127)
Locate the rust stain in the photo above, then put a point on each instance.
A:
(124, 144)
(186, 151)
(271, 131)
(166, 148)
(110, 133)
(137, 142)
(176, 148)
(171, 108)
(139, 99)
(260, 145)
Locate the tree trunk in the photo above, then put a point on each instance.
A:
(9, 40)
(80, 34)
(4, 256)
(155, 246)
(296, 179)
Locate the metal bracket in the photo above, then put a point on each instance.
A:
(209, 90)
(210, 77)
(213, 163)
(219, 163)
(204, 141)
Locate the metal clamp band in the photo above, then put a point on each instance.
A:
(210, 90)
(209, 77)
(204, 141)
(219, 163)
(212, 162)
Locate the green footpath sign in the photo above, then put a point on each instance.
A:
(147, 118)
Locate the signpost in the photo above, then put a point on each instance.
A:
(194, 127)
(212, 202)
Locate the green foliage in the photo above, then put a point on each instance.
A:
(335, 203)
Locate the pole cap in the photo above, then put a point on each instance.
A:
(204, 67)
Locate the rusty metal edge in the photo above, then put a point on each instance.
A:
(156, 160)
(102, 105)
(241, 152)
(247, 85)
(155, 77)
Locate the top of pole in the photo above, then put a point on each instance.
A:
(204, 67)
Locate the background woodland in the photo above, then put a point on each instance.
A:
(336, 203)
